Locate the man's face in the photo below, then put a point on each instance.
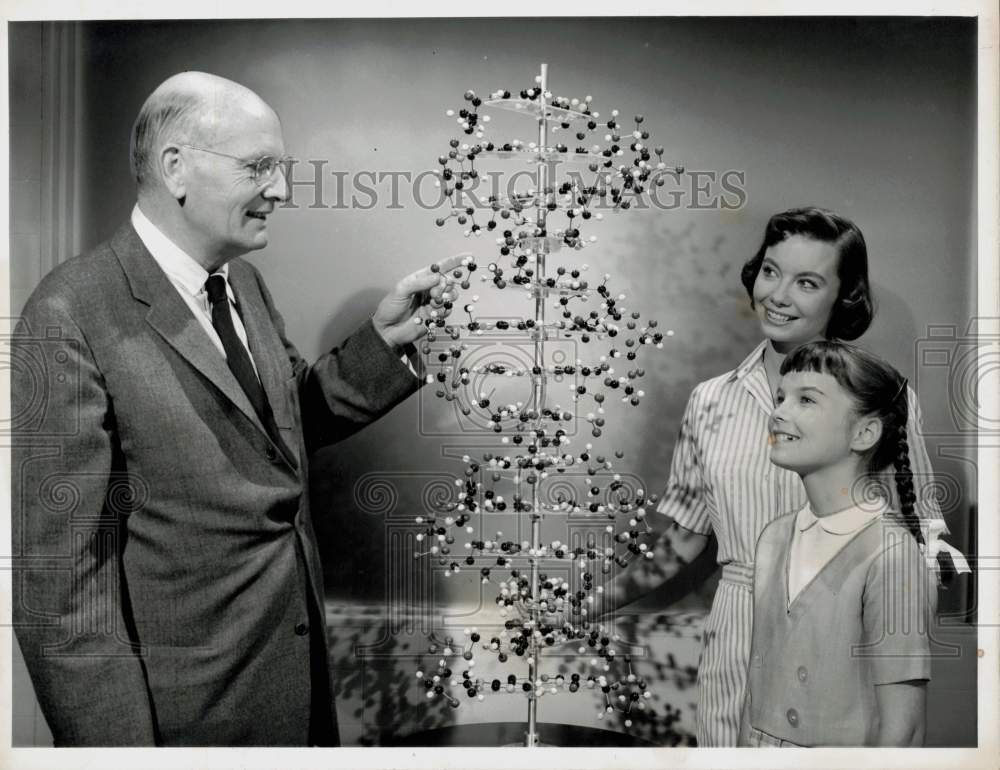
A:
(225, 208)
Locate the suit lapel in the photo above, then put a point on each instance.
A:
(171, 318)
(265, 346)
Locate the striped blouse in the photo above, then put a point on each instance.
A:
(722, 478)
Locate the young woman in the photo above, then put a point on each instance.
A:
(840, 653)
(808, 281)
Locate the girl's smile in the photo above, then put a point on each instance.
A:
(816, 414)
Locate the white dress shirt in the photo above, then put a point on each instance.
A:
(189, 278)
(817, 539)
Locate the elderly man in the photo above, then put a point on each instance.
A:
(167, 585)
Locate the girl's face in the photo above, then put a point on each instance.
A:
(813, 424)
(795, 291)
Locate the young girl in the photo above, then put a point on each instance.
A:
(839, 653)
(807, 281)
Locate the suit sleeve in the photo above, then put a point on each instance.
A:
(348, 387)
(684, 499)
(69, 594)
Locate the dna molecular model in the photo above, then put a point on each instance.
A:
(538, 468)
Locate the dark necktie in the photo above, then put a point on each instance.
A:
(239, 359)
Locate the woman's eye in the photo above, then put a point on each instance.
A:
(806, 400)
(768, 271)
(778, 399)
(808, 284)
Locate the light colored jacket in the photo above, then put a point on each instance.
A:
(861, 622)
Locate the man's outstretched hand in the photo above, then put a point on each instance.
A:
(400, 316)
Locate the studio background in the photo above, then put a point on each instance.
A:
(874, 118)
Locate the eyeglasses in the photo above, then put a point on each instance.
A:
(262, 170)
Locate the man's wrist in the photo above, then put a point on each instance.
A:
(383, 333)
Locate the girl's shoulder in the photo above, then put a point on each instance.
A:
(778, 530)
(888, 539)
(891, 529)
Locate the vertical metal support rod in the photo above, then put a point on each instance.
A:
(538, 380)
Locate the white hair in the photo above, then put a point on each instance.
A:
(171, 115)
(181, 109)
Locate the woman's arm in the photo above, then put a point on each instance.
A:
(743, 739)
(902, 708)
(679, 564)
(682, 518)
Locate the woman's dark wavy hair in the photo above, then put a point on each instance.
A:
(878, 390)
(854, 309)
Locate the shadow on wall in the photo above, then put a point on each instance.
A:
(351, 313)
(350, 539)
(917, 354)
(698, 295)
(381, 702)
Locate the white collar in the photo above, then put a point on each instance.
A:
(172, 259)
(842, 522)
(756, 358)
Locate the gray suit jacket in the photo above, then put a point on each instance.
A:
(163, 548)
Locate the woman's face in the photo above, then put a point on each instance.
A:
(795, 291)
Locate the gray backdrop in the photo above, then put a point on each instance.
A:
(874, 118)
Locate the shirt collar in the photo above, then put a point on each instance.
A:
(842, 522)
(172, 259)
(756, 358)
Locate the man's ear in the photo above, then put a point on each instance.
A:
(173, 170)
(866, 433)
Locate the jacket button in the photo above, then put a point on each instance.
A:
(302, 629)
(271, 453)
(793, 717)
(802, 673)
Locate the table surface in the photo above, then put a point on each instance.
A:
(513, 734)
